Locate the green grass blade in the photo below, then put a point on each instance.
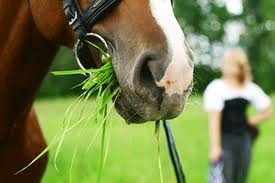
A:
(102, 148)
(72, 164)
(158, 150)
(52, 143)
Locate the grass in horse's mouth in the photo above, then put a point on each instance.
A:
(101, 81)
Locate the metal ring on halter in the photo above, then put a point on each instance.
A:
(102, 40)
(76, 55)
(99, 37)
(78, 43)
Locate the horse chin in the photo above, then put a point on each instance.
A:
(135, 111)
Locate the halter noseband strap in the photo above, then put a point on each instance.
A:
(82, 22)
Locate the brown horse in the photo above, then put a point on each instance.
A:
(151, 59)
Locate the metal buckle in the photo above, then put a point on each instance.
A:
(73, 20)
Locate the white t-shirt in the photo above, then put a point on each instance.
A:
(217, 92)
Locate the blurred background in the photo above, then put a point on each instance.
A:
(211, 27)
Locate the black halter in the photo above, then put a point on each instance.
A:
(82, 22)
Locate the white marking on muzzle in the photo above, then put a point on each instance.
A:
(179, 74)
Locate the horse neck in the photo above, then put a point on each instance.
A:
(25, 57)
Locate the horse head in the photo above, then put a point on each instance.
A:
(150, 55)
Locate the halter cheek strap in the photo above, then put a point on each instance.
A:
(82, 22)
(75, 17)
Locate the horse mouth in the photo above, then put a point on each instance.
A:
(135, 109)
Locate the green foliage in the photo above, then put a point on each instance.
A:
(259, 40)
(209, 18)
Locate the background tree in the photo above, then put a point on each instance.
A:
(209, 22)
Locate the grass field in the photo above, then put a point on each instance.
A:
(133, 149)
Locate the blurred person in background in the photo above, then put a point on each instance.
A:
(231, 131)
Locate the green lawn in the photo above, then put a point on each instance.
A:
(133, 150)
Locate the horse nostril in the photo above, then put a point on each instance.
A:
(146, 77)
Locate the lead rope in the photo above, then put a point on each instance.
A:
(173, 153)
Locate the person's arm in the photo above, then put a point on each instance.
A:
(260, 117)
(215, 136)
(262, 103)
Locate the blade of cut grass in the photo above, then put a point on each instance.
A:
(72, 164)
(108, 144)
(63, 135)
(102, 148)
(52, 143)
(158, 150)
(98, 130)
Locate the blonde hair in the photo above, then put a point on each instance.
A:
(238, 57)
